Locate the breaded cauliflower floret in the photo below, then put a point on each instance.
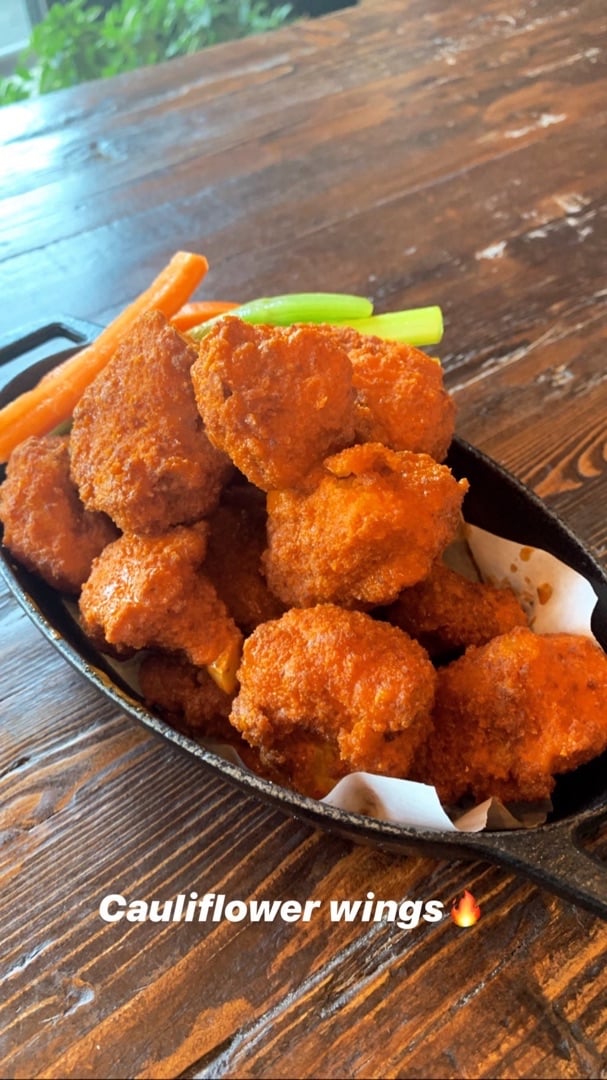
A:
(401, 399)
(138, 446)
(46, 527)
(372, 525)
(188, 699)
(236, 542)
(147, 592)
(185, 695)
(325, 692)
(512, 714)
(446, 612)
(276, 399)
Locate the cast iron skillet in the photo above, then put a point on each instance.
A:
(552, 855)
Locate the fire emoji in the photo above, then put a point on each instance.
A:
(466, 912)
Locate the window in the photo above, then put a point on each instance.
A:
(16, 20)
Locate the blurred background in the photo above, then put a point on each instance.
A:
(47, 45)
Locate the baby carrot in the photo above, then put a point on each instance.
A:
(53, 399)
(198, 311)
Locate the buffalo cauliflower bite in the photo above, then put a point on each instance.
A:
(276, 399)
(512, 714)
(188, 699)
(447, 612)
(147, 592)
(325, 692)
(236, 542)
(401, 400)
(372, 525)
(185, 695)
(46, 527)
(139, 451)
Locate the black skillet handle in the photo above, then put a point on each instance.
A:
(17, 346)
(554, 857)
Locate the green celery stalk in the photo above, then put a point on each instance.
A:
(295, 308)
(415, 326)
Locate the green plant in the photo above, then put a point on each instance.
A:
(78, 41)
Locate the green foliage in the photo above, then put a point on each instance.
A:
(78, 41)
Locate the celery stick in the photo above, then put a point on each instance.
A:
(416, 326)
(295, 308)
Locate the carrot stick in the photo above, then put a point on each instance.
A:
(54, 398)
(198, 311)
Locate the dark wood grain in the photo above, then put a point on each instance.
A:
(416, 152)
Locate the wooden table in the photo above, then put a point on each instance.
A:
(417, 152)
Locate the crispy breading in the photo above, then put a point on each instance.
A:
(446, 612)
(401, 400)
(188, 699)
(147, 592)
(46, 527)
(325, 691)
(512, 714)
(276, 399)
(185, 695)
(138, 446)
(373, 524)
(236, 542)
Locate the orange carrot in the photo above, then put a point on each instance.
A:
(52, 400)
(198, 311)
